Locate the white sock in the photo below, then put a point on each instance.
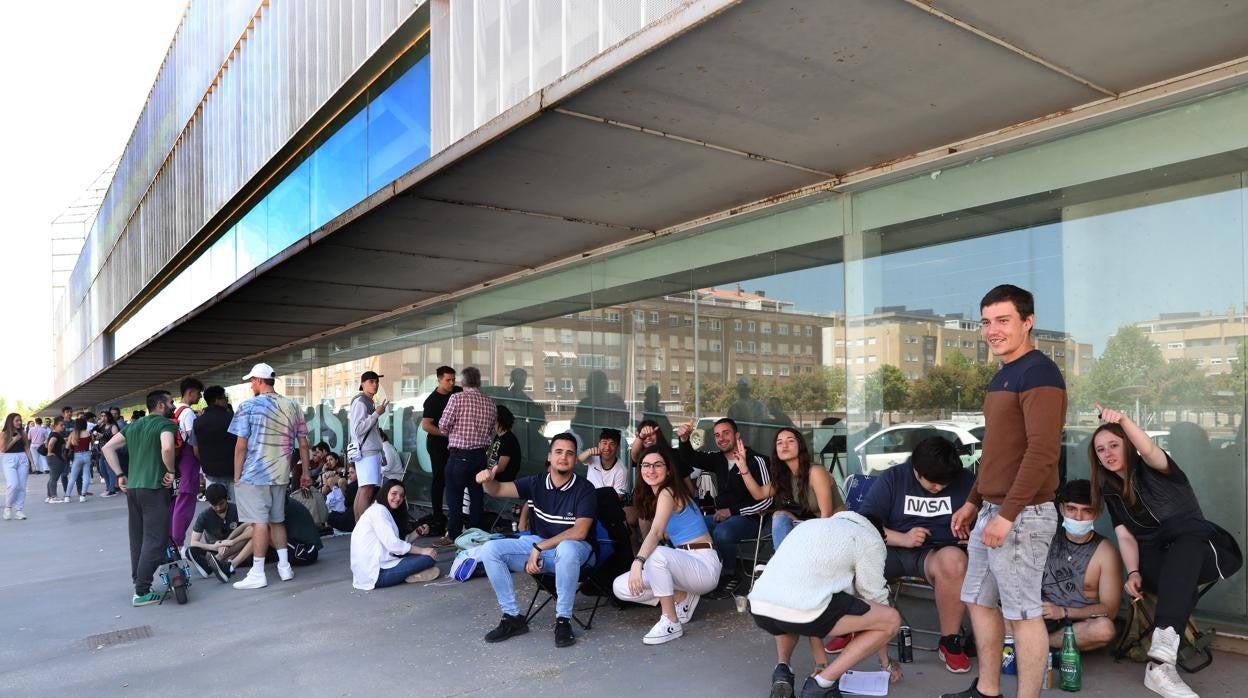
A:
(257, 566)
(282, 554)
(823, 683)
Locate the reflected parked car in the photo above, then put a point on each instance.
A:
(893, 445)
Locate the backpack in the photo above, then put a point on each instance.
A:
(177, 432)
(1137, 634)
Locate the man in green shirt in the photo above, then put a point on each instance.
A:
(151, 443)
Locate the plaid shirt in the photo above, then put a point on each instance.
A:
(469, 419)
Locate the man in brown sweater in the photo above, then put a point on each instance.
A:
(1011, 505)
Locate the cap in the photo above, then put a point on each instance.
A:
(261, 371)
(369, 376)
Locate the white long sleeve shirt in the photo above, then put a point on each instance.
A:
(375, 545)
(819, 559)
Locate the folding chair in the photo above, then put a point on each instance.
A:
(588, 584)
(763, 536)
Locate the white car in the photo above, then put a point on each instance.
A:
(888, 447)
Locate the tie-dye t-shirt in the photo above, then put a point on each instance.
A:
(272, 425)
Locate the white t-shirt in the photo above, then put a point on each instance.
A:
(616, 478)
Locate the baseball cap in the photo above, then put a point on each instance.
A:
(261, 371)
(369, 376)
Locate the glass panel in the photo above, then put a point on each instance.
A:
(398, 127)
(339, 177)
(251, 238)
(289, 211)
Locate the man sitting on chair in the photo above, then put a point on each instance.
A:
(1082, 578)
(915, 500)
(564, 508)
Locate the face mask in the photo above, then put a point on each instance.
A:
(1076, 528)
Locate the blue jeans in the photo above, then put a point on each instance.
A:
(727, 534)
(503, 556)
(408, 565)
(110, 478)
(782, 524)
(461, 473)
(79, 472)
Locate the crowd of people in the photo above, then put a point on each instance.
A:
(1010, 546)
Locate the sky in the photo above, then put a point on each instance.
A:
(75, 78)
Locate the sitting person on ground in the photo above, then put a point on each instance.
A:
(332, 484)
(218, 540)
(1167, 545)
(504, 452)
(320, 459)
(344, 520)
(736, 510)
(1082, 578)
(916, 500)
(673, 577)
(827, 580)
(564, 508)
(380, 557)
(303, 538)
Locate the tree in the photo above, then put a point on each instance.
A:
(886, 389)
(1180, 384)
(1125, 370)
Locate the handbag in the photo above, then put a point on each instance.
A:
(467, 565)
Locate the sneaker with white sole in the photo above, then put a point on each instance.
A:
(684, 609)
(286, 572)
(199, 560)
(663, 631)
(82, 497)
(19, 515)
(1163, 679)
(252, 581)
(1165, 646)
(8, 513)
(217, 568)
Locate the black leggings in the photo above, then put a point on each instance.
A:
(1174, 574)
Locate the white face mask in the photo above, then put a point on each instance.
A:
(1077, 528)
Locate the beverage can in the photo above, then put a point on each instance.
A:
(905, 645)
(1007, 657)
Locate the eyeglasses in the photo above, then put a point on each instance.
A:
(653, 464)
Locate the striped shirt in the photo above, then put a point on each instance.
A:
(556, 509)
(469, 419)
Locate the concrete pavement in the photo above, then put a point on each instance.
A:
(65, 578)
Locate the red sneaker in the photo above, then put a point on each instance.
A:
(953, 655)
(837, 643)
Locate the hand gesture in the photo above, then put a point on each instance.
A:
(485, 476)
(381, 407)
(963, 520)
(915, 537)
(682, 432)
(738, 455)
(1108, 415)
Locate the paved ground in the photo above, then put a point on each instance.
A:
(64, 577)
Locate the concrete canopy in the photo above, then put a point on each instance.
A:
(724, 105)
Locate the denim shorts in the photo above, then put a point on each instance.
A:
(1010, 575)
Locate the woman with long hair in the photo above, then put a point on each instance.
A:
(55, 446)
(798, 490)
(80, 468)
(675, 578)
(380, 557)
(1167, 545)
(15, 460)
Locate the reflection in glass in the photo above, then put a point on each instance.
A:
(339, 177)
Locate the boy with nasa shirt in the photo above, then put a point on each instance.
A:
(916, 500)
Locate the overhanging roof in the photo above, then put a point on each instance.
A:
(728, 109)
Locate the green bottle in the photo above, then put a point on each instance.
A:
(1070, 665)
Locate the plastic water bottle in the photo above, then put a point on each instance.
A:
(1071, 665)
(905, 645)
(1007, 657)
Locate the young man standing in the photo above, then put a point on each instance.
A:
(214, 440)
(366, 436)
(468, 422)
(150, 442)
(564, 508)
(1024, 409)
(267, 426)
(188, 460)
(1083, 577)
(436, 442)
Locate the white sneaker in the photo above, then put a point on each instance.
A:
(286, 572)
(67, 499)
(82, 498)
(252, 581)
(1165, 646)
(663, 631)
(8, 513)
(684, 609)
(19, 515)
(1163, 679)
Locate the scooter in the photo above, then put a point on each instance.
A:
(175, 573)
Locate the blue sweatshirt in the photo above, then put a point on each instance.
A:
(897, 499)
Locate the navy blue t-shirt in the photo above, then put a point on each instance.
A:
(897, 499)
(555, 510)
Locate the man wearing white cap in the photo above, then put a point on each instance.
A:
(267, 426)
(366, 437)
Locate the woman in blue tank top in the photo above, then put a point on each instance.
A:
(673, 577)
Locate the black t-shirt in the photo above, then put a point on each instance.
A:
(505, 445)
(214, 527)
(216, 443)
(435, 405)
(1159, 497)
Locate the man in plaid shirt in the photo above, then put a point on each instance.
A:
(469, 421)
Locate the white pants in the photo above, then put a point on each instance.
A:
(16, 468)
(669, 569)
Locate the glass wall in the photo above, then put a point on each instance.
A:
(855, 317)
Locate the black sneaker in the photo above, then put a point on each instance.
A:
(812, 689)
(563, 633)
(214, 566)
(972, 692)
(199, 560)
(725, 589)
(782, 682)
(508, 627)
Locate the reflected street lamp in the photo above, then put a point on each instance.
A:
(959, 398)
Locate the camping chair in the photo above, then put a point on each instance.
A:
(762, 546)
(589, 583)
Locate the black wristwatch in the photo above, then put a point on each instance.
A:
(539, 550)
